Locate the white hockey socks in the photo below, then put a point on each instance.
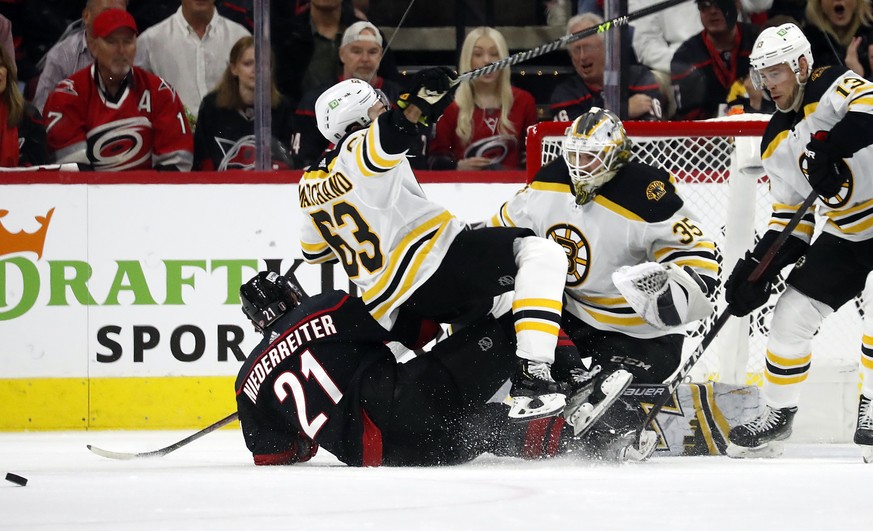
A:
(539, 289)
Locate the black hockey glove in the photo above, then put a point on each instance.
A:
(824, 166)
(431, 90)
(743, 296)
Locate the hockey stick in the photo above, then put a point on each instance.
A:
(172, 448)
(719, 323)
(566, 39)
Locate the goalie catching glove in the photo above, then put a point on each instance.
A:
(665, 295)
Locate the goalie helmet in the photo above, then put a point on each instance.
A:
(344, 105)
(595, 147)
(774, 46)
(267, 297)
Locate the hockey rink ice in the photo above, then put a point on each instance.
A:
(212, 484)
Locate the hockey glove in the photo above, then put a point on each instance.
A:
(823, 166)
(432, 90)
(743, 296)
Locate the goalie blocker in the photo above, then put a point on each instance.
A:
(665, 295)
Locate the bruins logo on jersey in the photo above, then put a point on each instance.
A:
(656, 190)
(845, 193)
(578, 251)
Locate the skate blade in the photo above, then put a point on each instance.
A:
(582, 418)
(867, 454)
(525, 408)
(765, 451)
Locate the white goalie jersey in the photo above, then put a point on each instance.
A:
(636, 217)
(365, 208)
(830, 93)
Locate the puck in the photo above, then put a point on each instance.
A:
(15, 478)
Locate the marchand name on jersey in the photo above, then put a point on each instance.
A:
(315, 329)
(323, 190)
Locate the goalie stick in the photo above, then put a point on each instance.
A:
(168, 449)
(567, 39)
(719, 323)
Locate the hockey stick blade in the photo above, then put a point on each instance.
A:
(567, 39)
(719, 323)
(125, 456)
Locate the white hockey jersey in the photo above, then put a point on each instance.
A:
(636, 217)
(830, 93)
(365, 207)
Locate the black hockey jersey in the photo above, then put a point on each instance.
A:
(308, 374)
(224, 139)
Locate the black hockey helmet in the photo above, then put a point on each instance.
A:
(267, 297)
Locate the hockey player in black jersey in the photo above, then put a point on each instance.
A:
(322, 376)
(820, 140)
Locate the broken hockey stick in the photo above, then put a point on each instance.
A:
(719, 323)
(166, 450)
(543, 49)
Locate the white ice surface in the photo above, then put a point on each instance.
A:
(212, 484)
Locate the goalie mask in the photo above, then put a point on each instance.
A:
(346, 106)
(774, 46)
(595, 147)
(267, 297)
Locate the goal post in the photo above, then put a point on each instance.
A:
(717, 167)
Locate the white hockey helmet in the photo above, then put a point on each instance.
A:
(777, 45)
(595, 147)
(343, 105)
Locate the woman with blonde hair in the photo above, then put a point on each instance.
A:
(22, 135)
(224, 134)
(485, 127)
(840, 33)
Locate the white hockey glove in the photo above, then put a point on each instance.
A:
(665, 295)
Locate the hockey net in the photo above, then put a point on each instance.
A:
(717, 166)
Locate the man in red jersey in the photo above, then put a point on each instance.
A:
(114, 116)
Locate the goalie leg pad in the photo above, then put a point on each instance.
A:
(665, 295)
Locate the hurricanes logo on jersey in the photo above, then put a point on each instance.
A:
(120, 145)
(578, 251)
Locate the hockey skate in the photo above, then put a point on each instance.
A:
(534, 393)
(592, 396)
(761, 436)
(641, 448)
(864, 430)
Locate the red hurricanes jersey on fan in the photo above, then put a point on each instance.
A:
(145, 128)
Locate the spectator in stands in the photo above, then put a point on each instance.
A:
(485, 127)
(583, 91)
(22, 135)
(706, 65)
(306, 43)
(360, 53)
(6, 38)
(189, 49)
(224, 138)
(840, 32)
(71, 53)
(113, 115)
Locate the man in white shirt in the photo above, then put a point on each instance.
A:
(190, 49)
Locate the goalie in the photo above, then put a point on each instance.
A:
(639, 268)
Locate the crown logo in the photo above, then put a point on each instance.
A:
(24, 241)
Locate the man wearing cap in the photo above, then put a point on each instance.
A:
(190, 49)
(360, 54)
(114, 116)
(71, 52)
(706, 65)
